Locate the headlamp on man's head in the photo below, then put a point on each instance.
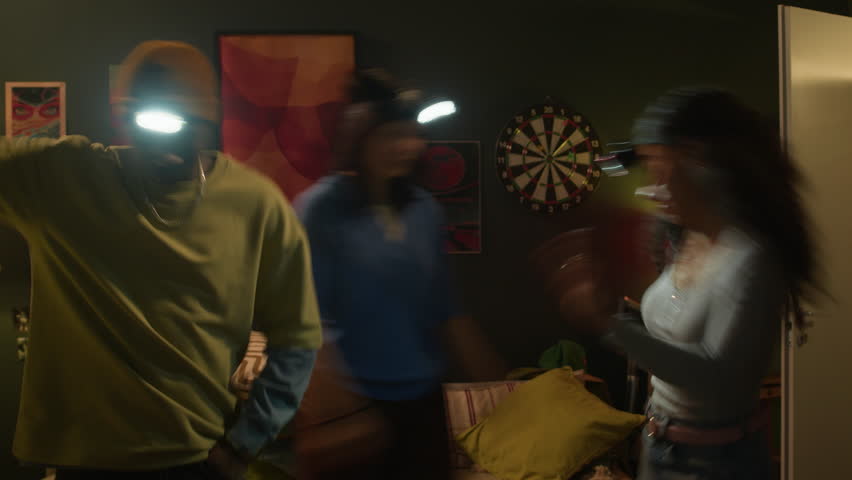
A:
(159, 121)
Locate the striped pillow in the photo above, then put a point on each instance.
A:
(468, 404)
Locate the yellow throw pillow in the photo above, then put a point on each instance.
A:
(547, 430)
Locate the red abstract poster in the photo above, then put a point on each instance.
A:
(282, 96)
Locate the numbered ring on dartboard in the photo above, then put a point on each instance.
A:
(545, 156)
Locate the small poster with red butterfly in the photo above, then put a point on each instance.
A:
(451, 174)
(35, 109)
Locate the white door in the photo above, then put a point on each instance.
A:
(816, 123)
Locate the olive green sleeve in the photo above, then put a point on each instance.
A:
(286, 307)
(24, 165)
(20, 161)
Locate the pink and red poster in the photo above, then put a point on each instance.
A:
(282, 96)
(35, 109)
(451, 174)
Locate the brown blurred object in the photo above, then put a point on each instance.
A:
(586, 271)
(573, 270)
(339, 434)
(335, 429)
(476, 355)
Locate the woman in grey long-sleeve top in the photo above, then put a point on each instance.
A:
(713, 315)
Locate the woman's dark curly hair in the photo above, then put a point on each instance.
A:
(757, 180)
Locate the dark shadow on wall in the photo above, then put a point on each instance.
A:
(14, 294)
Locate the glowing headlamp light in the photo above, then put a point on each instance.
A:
(435, 111)
(160, 121)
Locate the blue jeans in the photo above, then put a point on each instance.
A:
(745, 459)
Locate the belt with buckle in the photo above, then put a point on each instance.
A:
(683, 434)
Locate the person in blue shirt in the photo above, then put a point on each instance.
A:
(382, 281)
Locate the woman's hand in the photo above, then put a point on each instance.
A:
(575, 276)
(587, 306)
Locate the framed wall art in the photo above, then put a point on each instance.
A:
(282, 96)
(451, 173)
(35, 109)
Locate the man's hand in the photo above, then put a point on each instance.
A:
(225, 461)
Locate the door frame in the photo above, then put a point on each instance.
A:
(787, 325)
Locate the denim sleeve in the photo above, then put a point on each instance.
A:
(274, 399)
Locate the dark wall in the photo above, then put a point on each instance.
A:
(14, 293)
(606, 58)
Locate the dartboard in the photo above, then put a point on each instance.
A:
(545, 155)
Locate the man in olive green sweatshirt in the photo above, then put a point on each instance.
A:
(150, 266)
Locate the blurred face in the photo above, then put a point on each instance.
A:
(658, 161)
(665, 165)
(171, 148)
(392, 150)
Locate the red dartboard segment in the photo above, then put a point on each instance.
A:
(537, 158)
